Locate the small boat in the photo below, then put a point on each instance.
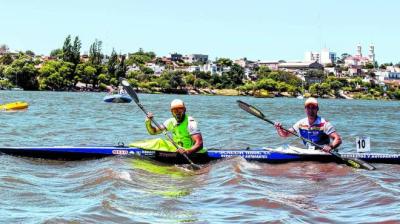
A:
(117, 98)
(268, 155)
(19, 105)
(16, 89)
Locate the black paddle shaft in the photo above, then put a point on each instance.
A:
(354, 162)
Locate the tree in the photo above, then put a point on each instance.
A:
(112, 63)
(67, 49)
(57, 53)
(121, 68)
(224, 62)
(140, 57)
(76, 51)
(95, 56)
(30, 53)
(283, 76)
(369, 65)
(85, 73)
(6, 59)
(56, 75)
(22, 72)
(263, 72)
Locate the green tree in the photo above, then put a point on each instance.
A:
(369, 66)
(22, 72)
(267, 84)
(121, 68)
(85, 73)
(57, 53)
(263, 72)
(6, 59)
(112, 63)
(224, 62)
(30, 53)
(95, 55)
(76, 51)
(67, 49)
(56, 75)
(190, 79)
(140, 57)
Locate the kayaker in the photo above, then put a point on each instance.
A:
(313, 127)
(183, 128)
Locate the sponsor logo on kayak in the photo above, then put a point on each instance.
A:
(120, 152)
(245, 154)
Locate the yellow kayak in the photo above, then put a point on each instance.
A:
(19, 105)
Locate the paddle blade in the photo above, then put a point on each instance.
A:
(354, 162)
(358, 163)
(250, 109)
(128, 88)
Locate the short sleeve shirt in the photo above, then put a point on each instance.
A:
(318, 132)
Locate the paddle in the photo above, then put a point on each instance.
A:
(134, 96)
(354, 162)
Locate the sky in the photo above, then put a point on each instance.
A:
(256, 29)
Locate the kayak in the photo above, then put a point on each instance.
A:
(117, 98)
(267, 155)
(19, 105)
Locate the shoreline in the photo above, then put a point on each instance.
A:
(235, 92)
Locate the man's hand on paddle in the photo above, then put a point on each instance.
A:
(152, 130)
(149, 116)
(327, 148)
(182, 151)
(281, 131)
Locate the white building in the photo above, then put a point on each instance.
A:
(387, 76)
(324, 57)
(156, 68)
(273, 65)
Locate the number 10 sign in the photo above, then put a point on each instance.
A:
(363, 144)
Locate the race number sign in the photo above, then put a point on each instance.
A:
(363, 144)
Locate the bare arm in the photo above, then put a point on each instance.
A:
(336, 140)
(198, 145)
(150, 128)
(281, 132)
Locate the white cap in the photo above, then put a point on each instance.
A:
(177, 103)
(311, 100)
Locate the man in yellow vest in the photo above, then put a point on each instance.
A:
(183, 128)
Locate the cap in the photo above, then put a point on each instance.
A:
(177, 103)
(311, 100)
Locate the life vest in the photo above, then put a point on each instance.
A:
(182, 136)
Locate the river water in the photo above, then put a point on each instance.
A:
(128, 190)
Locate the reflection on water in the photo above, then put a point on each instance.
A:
(122, 190)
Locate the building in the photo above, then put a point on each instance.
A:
(324, 58)
(273, 65)
(196, 58)
(311, 56)
(300, 66)
(327, 57)
(175, 57)
(359, 59)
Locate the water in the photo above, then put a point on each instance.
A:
(127, 190)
